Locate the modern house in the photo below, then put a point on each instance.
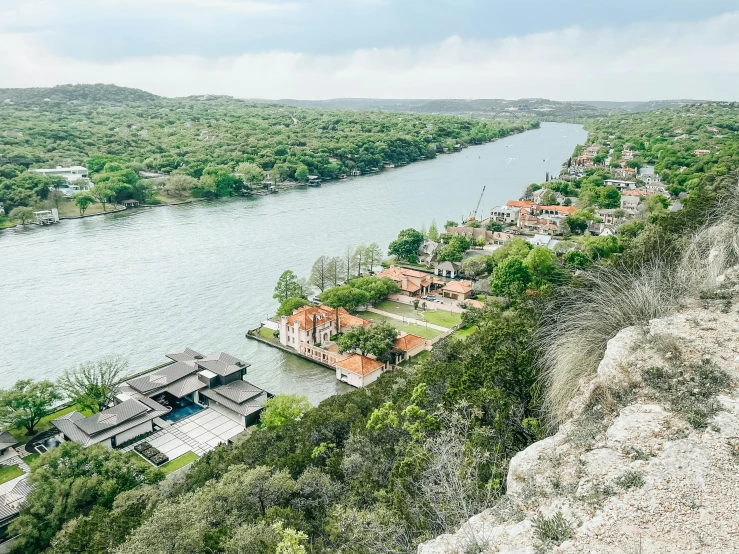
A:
(239, 400)
(112, 427)
(457, 290)
(71, 174)
(506, 214)
(13, 495)
(358, 371)
(409, 281)
(447, 269)
(7, 442)
(619, 184)
(543, 240)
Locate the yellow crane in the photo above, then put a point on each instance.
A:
(473, 216)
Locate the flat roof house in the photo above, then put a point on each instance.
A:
(113, 426)
(71, 174)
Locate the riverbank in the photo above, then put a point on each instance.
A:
(200, 274)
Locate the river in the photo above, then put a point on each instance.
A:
(143, 283)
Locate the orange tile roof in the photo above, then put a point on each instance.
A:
(475, 303)
(520, 204)
(397, 273)
(459, 286)
(348, 320)
(361, 365)
(561, 209)
(304, 316)
(408, 342)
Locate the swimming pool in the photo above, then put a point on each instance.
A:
(182, 412)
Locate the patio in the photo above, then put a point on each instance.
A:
(200, 433)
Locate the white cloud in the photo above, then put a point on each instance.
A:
(640, 62)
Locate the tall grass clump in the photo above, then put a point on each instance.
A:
(603, 301)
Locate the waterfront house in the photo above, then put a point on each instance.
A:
(358, 371)
(315, 325)
(447, 269)
(539, 194)
(7, 442)
(619, 184)
(128, 204)
(409, 281)
(457, 290)
(407, 346)
(427, 252)
(46, 217)
(506, 214)
(13, 495)
(71, 174)
(355, 173)
(112, 427)
(239, 400)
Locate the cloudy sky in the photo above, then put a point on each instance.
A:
(313, 49)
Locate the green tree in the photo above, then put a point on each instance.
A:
(289, 305)
(287, 287)
(68, 480)
(319, 274)
(577, 260)
(433, 232)
(549, 198)
(450, 223)
(344, 296)
(251, 173)
(514, 248)
(373, 256)
(609, 198)
(377, 288)
(378, 340)
(103, 192)
(494, 226)
(22, 214)
(301, 173)
(542, 265)
(26, 402)
(406, 246)
(473, 266)
(510, 278)
(83, 200)
(578, 221)
(93, 385)
(180, 185)
(335, 271)
(284, 408)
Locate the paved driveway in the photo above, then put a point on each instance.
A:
(200, 433)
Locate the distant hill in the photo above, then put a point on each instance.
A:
(98, 93)
(539, 108)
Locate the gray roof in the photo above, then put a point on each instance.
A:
(163, 377)
(7, 440)
(240, 396)
(449, 266)
(187, 354)
(108, 423)
(12, 500)
(112, 417)
(222, 364)
(185, 386)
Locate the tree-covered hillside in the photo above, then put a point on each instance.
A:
(93, 125)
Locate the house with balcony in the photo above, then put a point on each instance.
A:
(309, 326)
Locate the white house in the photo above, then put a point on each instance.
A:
(71, 174)
(506, 214)
(629, 204)
(619, 184)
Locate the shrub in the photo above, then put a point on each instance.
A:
(142, 446)
(552, 531)
(630, 480)
(159, 458)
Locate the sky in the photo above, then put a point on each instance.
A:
(317, 49)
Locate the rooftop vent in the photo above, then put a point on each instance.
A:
(198, 357)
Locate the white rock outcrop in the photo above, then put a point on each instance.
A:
(631, 472)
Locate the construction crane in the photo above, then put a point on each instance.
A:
(473, 216)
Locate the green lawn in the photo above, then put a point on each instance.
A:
(465, 332)
(177, 463)
(425, 332)
(268, 334)
(437, 317)
(31, 457)
(443, 318)
(9, 472)
(45, 423)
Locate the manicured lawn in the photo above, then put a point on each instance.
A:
(425, 332)
(9, 472)
(31, 457)
(45, 423)
(266, 333)
(177, 463)
(437, 317)
(443, 318)
(465, 332)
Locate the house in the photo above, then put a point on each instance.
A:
(539, 194)
(506, 214)
(447, 269)
(624, 172)
(608, 216)
(13, 495)
(457, 290)
(7, 442)
(239, 401)
(128, 204)
(71, 174)
(358, 371)
(407, 345)
(500, 238)
(409, 281)
(619, 184)
(701, 152)
(113, 426)
(355, 173)
(427, 252)
(46, 217)
(543, 240)
(313, 325)
(629, 203)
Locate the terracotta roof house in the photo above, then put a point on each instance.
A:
(409, 281)
(457, 290)
(408, 345)
(110, 427)
(311, 325)
(358, 371)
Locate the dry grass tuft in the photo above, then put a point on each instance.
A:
(575, 332)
